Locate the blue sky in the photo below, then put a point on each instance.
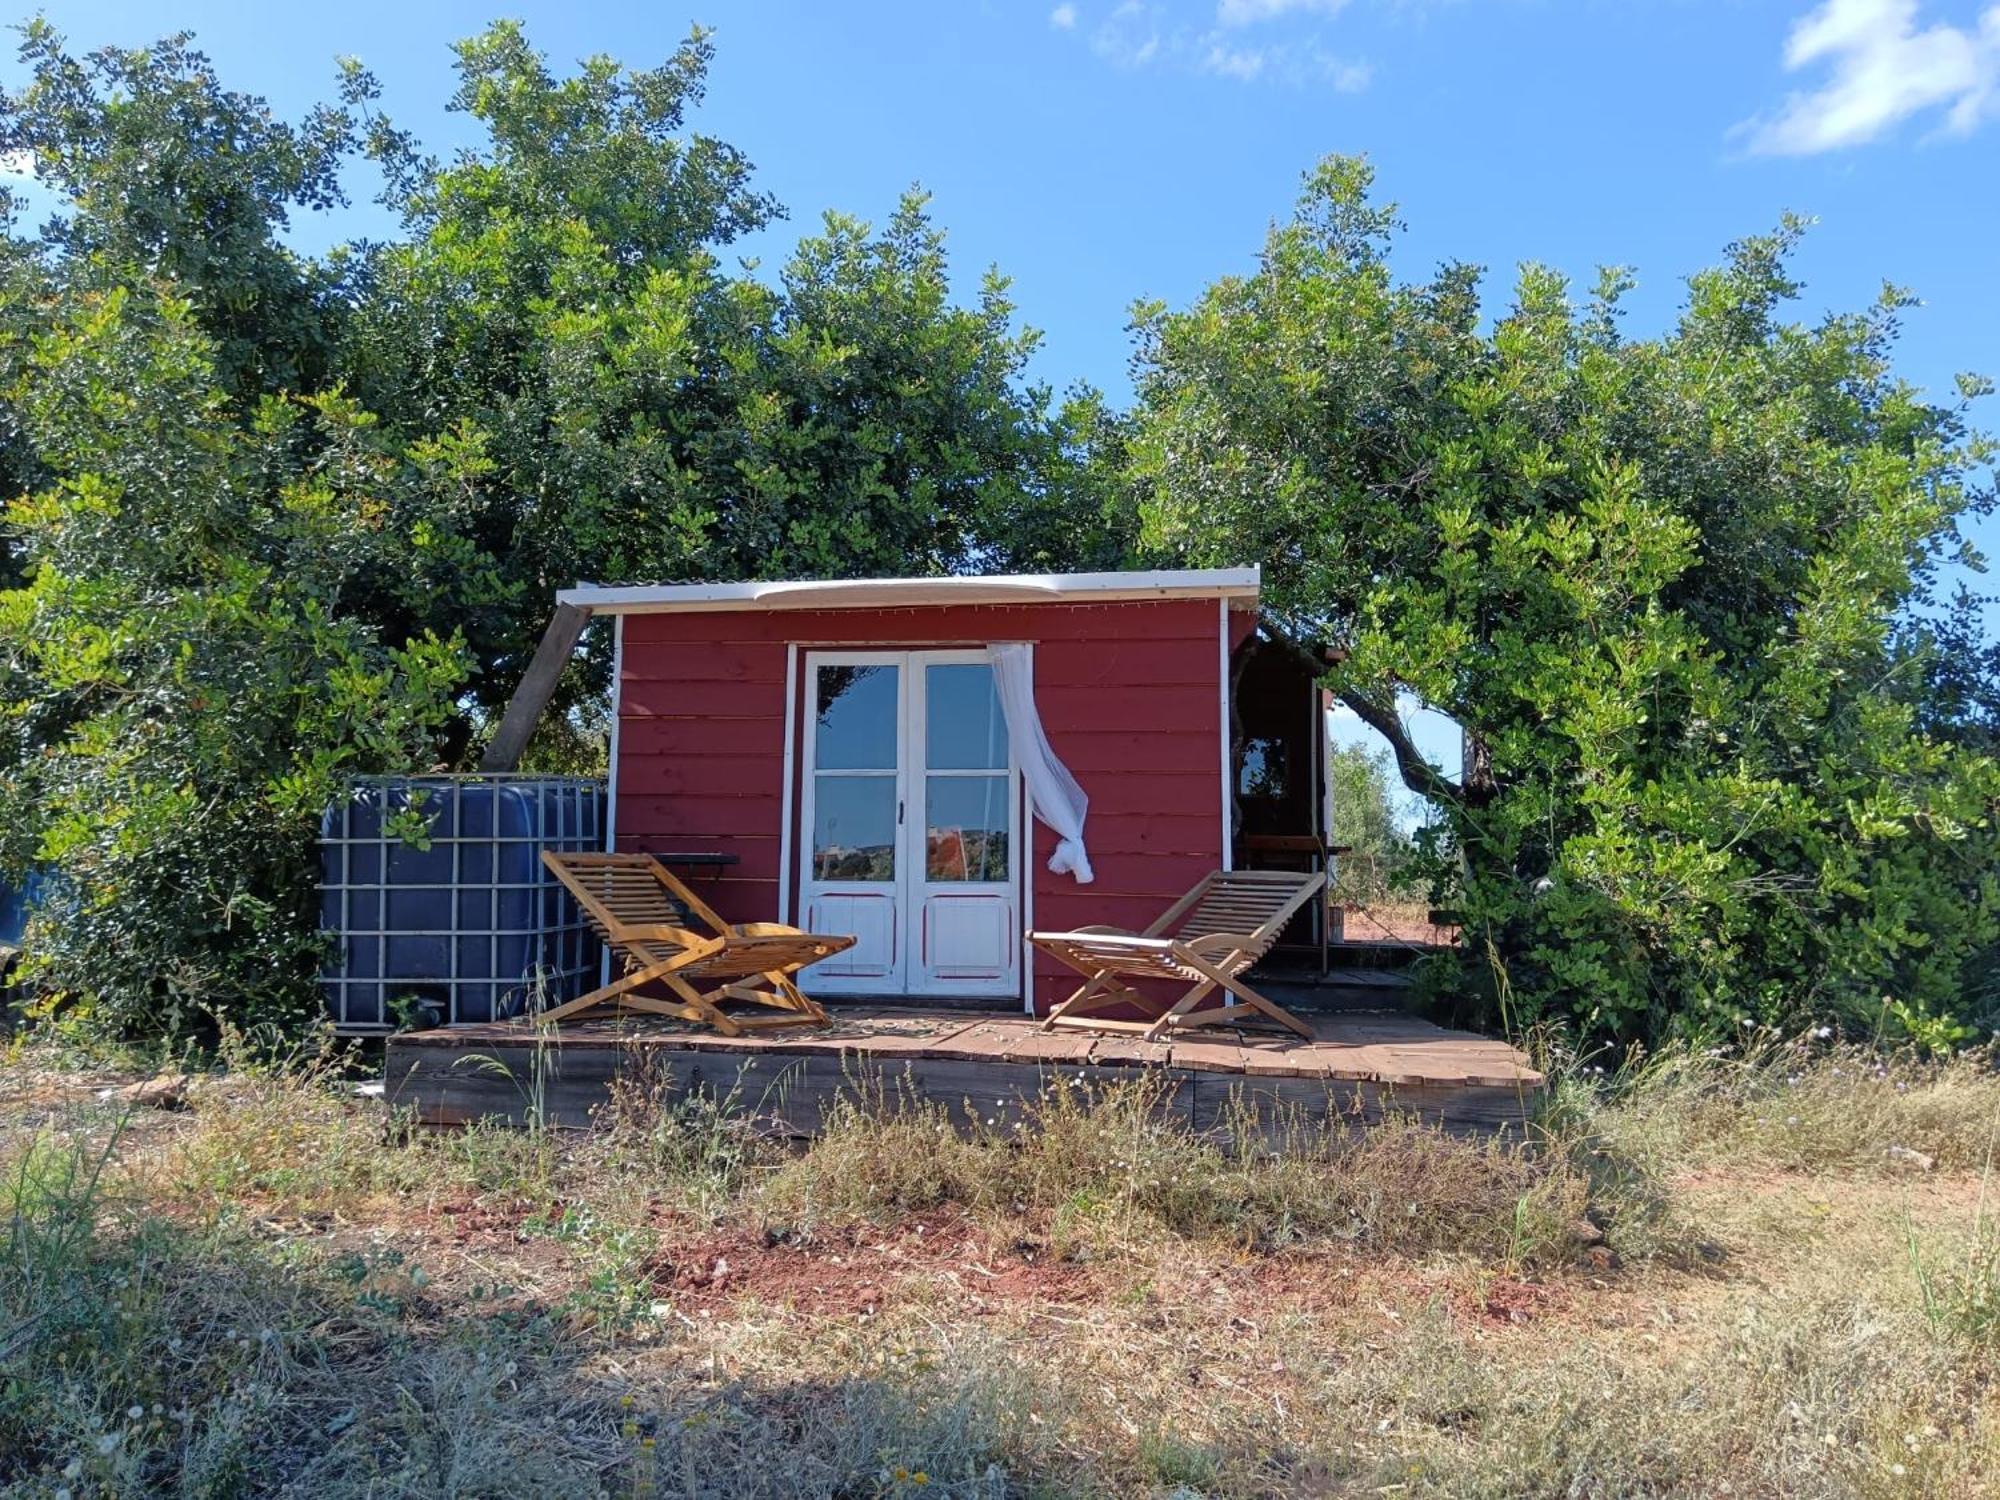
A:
(1103, 150)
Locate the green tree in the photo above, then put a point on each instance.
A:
(184, 692)
(287, 518)
(164, 172)
(1380, 853)
(557, 306)
(1674, 590)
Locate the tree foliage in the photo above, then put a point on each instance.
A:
(1380, 856)
(286, 518)
(161, 168)
(558, 306)
(1676, 590)
(186, 689)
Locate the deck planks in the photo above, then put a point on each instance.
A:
(981, 1066)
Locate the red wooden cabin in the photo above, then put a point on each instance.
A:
(844, 742)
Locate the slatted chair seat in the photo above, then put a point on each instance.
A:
(1205, 940)
(653, 922)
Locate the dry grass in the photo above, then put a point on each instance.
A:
(281, 1292)
(1102, 1173)
(1801, 1105)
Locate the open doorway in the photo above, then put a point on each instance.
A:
(1278, 738)
(1314, 789)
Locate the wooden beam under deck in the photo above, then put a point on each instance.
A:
(1356, 1068)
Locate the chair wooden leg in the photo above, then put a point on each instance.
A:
(701, 1007)
(1074, 1002)
(652, 1005)
(608, 996)
(1100, 992)
(800, 1001)
(1266, 1010)
(781, 996)
(1176, 1015)
(777, 991)
(696, 1006)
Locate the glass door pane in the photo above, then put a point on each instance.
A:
(967, 810)
(857, 718)
(856, 737)
(966, 822)
(854, 828)
(964, 729)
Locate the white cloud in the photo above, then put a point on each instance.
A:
(1240, 63)
(1347, 77)
(1881, 70)
(1143, 33)
(1130, 37)
(1250, 12)
(1295, 64)
(1063, 18)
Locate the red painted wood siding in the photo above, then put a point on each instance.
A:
(1129, 692)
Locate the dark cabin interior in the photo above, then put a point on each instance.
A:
(1278, 752)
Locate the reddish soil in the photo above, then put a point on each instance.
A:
(1410, 926)
(852, 1270)
(473, 1219)
(1509, 1303)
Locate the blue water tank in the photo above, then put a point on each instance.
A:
(463, 922)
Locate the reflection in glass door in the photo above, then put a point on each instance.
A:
(964, 907)
(912, 814)
(854, 807)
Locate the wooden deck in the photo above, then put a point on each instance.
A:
(980, 1065)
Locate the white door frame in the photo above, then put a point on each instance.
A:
(913, 893)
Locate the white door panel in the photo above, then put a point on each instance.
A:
(871, 917)
(969, 816)
(968, 937)
(911, 823)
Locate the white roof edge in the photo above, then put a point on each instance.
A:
(897, 593)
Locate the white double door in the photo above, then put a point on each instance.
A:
(910, 825)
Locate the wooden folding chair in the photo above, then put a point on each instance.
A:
(1204, 940)
(643, 912)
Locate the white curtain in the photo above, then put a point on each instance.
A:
(1052, 792)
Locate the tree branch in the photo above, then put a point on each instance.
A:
(1418, 774)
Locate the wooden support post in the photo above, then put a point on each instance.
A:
(524, 709)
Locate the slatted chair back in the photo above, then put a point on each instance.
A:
(1257, 903)
(621, 892)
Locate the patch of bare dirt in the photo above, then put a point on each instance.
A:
(1509, 1303)
(1400, 925)
(855, 1269)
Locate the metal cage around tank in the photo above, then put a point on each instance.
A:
(433, 897)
